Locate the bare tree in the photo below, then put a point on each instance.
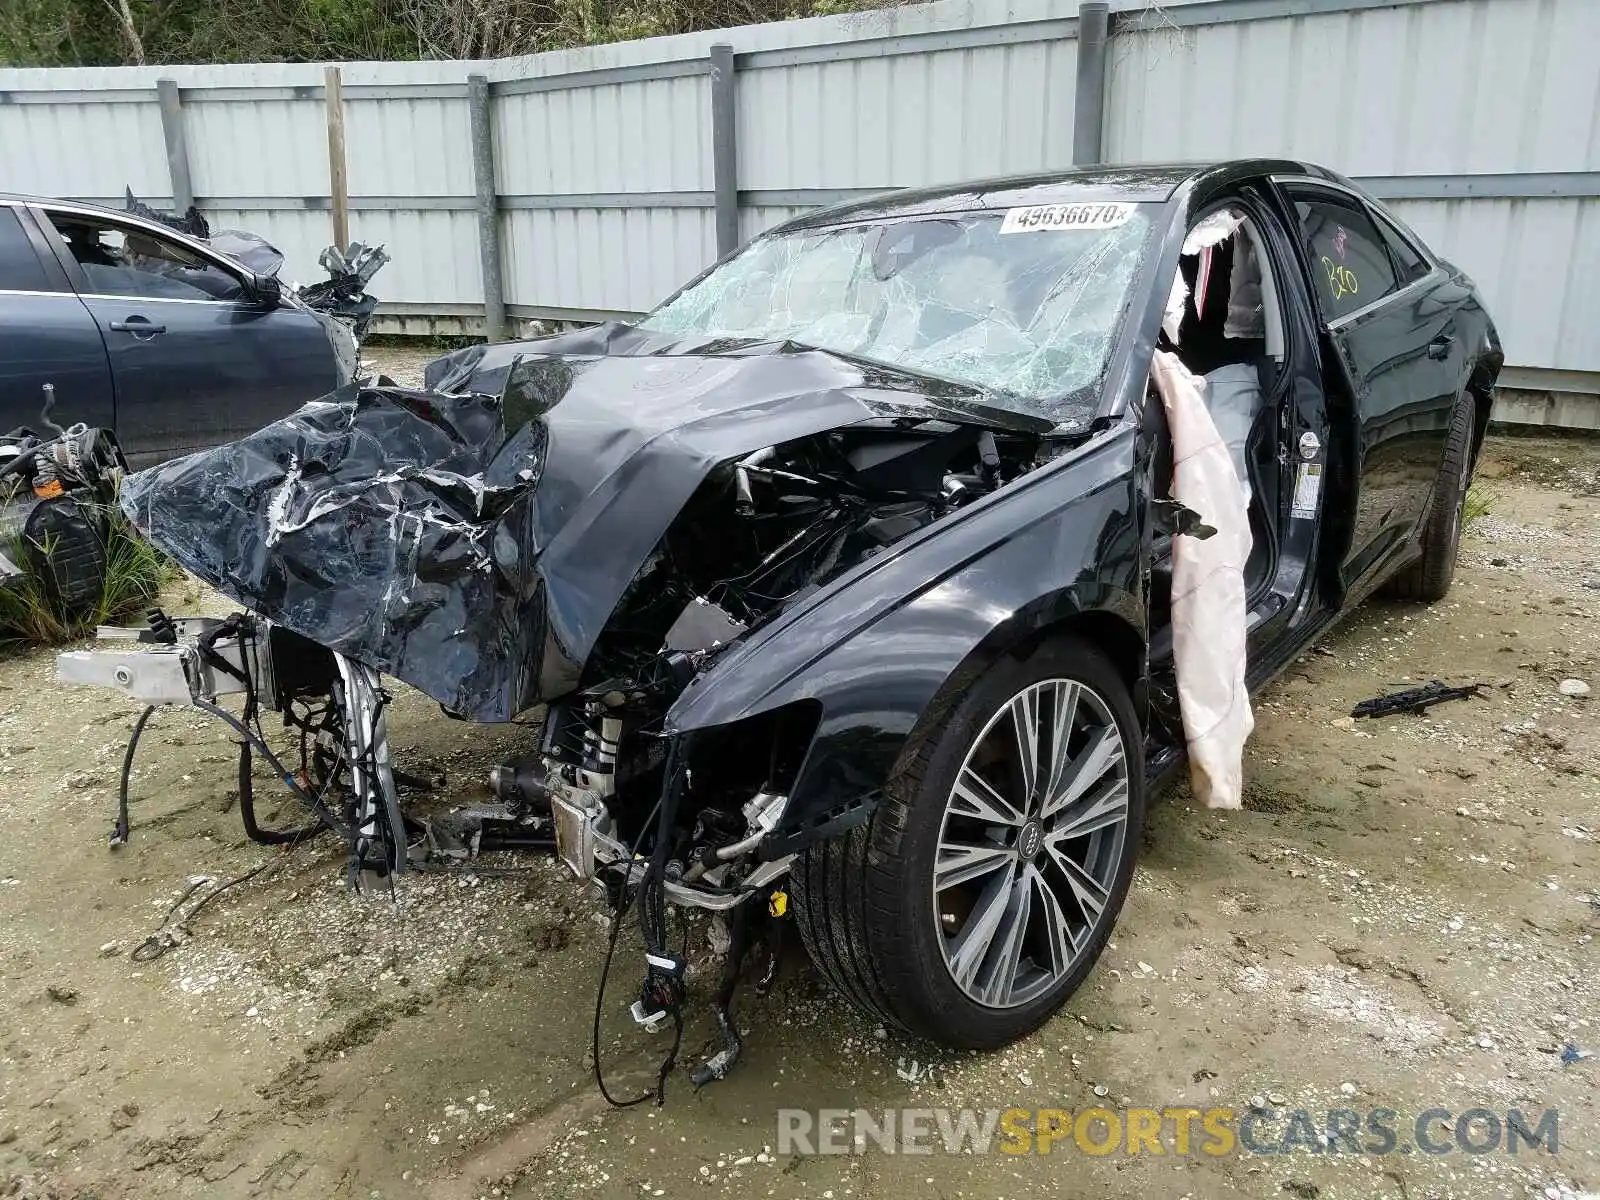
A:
(130, 31)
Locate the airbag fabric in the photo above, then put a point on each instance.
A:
(1208, 601)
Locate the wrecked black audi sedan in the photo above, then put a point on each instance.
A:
(852, 580)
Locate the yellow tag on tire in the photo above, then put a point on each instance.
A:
(778, 903)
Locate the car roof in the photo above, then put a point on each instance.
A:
(85, 208)
(1150, 183)
(200, 246)
(18, 198)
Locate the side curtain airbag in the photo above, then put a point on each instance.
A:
(1208, 599)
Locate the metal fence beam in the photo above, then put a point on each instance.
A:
(172, 132)
(724, 147)
(1162, 17)
(602, 77)
(1089, 109)
(488, 206)
(929, 41)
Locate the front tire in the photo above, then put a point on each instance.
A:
(1428, 578)
(983, 888)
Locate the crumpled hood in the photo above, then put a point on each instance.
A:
(474, 544)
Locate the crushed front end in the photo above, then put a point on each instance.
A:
(593, 532)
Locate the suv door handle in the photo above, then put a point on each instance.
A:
(138, 326)
(1439, 348)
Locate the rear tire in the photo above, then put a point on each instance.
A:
(969, 931)
(1428, 578)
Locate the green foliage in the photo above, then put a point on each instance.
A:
(59, 33)
(1480, 501)
(136, 573)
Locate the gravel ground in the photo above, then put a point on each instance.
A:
(401, 359)
(1402, 916)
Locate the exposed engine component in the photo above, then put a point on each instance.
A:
(765, 529)
(56, 492)
(760, 532)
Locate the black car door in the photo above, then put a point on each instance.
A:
(196, 357)
(46, 335)
(1390, 319)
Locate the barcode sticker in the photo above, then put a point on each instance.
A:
(1307, 488)
(1041, 217)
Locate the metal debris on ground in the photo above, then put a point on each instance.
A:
(1417, 699)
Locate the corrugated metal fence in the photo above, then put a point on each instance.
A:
(614, 173)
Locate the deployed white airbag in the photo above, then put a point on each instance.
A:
(1208, 602)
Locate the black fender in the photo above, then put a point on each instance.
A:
(878, 649)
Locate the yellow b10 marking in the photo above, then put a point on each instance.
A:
(1341, 280)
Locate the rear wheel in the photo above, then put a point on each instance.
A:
(983, 889)
(1429, 577)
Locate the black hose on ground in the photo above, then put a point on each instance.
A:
(320, 810)
(119, 834)
(247, 811)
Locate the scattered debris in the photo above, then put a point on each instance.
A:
(913, 1071)
(191, 222)
(1416, 699)
(344, 293)
(55, 492)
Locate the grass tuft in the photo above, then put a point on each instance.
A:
(1480, 501)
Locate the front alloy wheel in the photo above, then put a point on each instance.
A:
(984, 886)
(1032, 837)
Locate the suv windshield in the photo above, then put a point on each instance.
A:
(1024, 303)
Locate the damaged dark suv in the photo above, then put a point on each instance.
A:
(845, 576)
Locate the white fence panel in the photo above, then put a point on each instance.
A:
(402, 147)
(1469, 86)
(908, 119)
(625, 137)
(260, 148)
(594, 260)
(82, 149)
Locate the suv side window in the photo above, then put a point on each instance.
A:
(1411, 265)
(20, 268)
(121, 260)
(1350, 263)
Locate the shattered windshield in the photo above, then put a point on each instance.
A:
(1024, 303)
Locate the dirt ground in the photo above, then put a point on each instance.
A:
(1403, 916)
